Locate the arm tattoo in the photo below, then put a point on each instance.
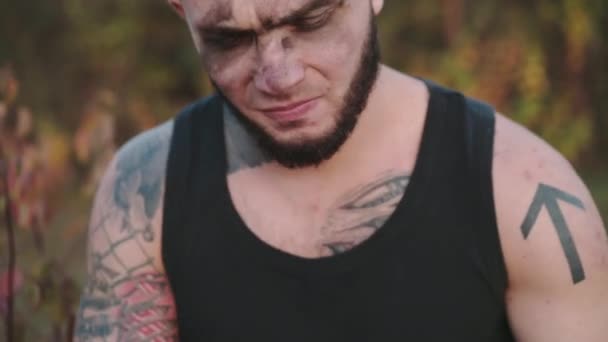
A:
(362, 212)
(547, 196)
(126, 297)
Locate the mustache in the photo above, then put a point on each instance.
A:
(301, 93)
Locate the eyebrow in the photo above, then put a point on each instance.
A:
(211, 23)
(308, 7)
(224, 32)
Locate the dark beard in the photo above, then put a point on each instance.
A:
(314, 152)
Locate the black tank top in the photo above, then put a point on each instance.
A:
(433, 272)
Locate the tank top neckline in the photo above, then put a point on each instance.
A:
(259, 252)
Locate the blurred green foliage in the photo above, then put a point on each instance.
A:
(78, 78)
(542, 62)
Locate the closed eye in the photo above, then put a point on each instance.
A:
(311, 17)
(228, 40)
(311, 23)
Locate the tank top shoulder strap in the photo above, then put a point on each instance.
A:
(476, 120)
(480, 124)
(195, 133)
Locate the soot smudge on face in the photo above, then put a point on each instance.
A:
(313, 152)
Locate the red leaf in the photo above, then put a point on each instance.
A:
(17, 283)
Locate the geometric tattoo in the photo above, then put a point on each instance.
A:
(547, 196)
(126, 297)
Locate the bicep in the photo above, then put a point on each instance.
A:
(559, 277)
(575, 315)
(554, 242)
(126, 296)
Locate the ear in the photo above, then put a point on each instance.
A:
(177, 6)
(377, 6)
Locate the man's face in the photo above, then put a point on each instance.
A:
(298, 71)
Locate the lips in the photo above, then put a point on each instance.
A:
(290, 112)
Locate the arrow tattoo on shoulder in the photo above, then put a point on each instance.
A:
(548, 196)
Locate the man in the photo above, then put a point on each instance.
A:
(322, 196)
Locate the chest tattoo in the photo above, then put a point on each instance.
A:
(361, 212)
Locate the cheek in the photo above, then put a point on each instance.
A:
(231, 72)
(341, 53)
(335, 55)
(337, 45)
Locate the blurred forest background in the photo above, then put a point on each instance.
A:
(79, 77)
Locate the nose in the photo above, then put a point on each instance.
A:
(278, 71)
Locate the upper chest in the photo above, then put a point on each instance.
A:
(316, 220)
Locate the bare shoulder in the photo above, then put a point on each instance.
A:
(553, 238)
(530, 177)
(133, 189)
(127, 296)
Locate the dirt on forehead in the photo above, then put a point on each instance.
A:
(212, 12)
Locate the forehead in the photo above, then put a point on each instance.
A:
(244, 12)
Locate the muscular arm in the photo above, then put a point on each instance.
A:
(554, 242)
(127, 296)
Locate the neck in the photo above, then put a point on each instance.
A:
(377, 123)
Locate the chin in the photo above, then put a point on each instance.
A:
(301, 132)
(306, 141)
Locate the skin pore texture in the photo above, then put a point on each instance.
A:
(265, 54)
